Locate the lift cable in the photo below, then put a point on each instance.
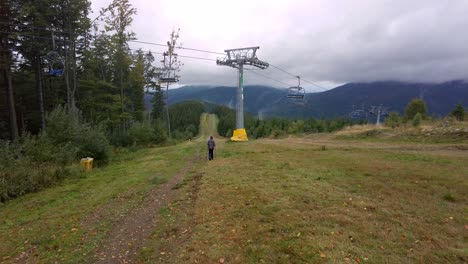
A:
(164, 45)
(268, 77)
(278, 68)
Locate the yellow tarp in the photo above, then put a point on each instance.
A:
(239, 135)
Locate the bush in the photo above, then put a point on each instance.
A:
(393, 120)
(93, 143)
(41, 149)
(276, 133)
(160, 133)
(459, 112)
(414, 107)
(141, 133)
(66, 129)
(32, 165)
(417, 119)
(35, 162)
(119, 138)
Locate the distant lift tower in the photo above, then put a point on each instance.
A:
(379, 111)
(237, 58)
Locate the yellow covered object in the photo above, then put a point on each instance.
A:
(87, 163)
(239, 135)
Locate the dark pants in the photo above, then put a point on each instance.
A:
(210, 154)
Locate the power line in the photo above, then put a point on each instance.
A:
(265, 76)
(325, 89)
(182, 56)
(278, 68)
(199, 50)
(150, 43)
(207, 59)
(134, 41)
(160, 45)
(164, 45)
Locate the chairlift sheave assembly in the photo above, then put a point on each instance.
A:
(296, 94)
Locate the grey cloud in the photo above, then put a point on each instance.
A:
(328, 42)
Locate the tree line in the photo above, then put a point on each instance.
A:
(71, 87)
(416, 111)
(53, 55)
(274, 126)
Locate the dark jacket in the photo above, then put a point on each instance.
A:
(211, 144)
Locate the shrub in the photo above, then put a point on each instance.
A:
(296, 127)
(32, 165)
(35, 162)
(65, 129)
(119, 138)
(160, 134)
(393, 120)
(276, 133)
(42, 149)
(141, 133)
(414, 107)
(417, 119)
(449, 197)
(93, 143)
(228, 133)
(459, 112)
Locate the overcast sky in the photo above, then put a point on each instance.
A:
(328, 42)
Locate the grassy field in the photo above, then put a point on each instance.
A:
(310, 199)
(66, 222)
(320, 200)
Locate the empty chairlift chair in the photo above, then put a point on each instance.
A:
(296, 94)
(56, 64)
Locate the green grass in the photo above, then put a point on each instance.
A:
(57, 224)
(264, 201)
(282, 202)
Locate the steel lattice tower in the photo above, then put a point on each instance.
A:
(237, 58)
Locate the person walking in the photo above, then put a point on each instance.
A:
(211, 146)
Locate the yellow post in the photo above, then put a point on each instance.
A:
(87, 163)
(239, 135)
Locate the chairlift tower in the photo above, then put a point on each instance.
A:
(237, 58)
(171, 66)
(379, 111)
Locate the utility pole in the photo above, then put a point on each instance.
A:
(237, 58)
(171, 66)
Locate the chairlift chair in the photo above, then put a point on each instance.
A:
(55, 61)
(296, 94)
(56, 64)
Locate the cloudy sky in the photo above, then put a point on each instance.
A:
(327, 42)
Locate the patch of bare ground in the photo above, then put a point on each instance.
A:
(169, 243)
(129, 233)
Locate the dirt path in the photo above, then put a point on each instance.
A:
(129, 234)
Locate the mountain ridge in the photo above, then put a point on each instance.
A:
(261, 100)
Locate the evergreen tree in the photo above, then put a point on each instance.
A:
(158, 104)
(459, 112)
(393, 120)
(417, 119)
(414, 107)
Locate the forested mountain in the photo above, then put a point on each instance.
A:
(267, 101)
